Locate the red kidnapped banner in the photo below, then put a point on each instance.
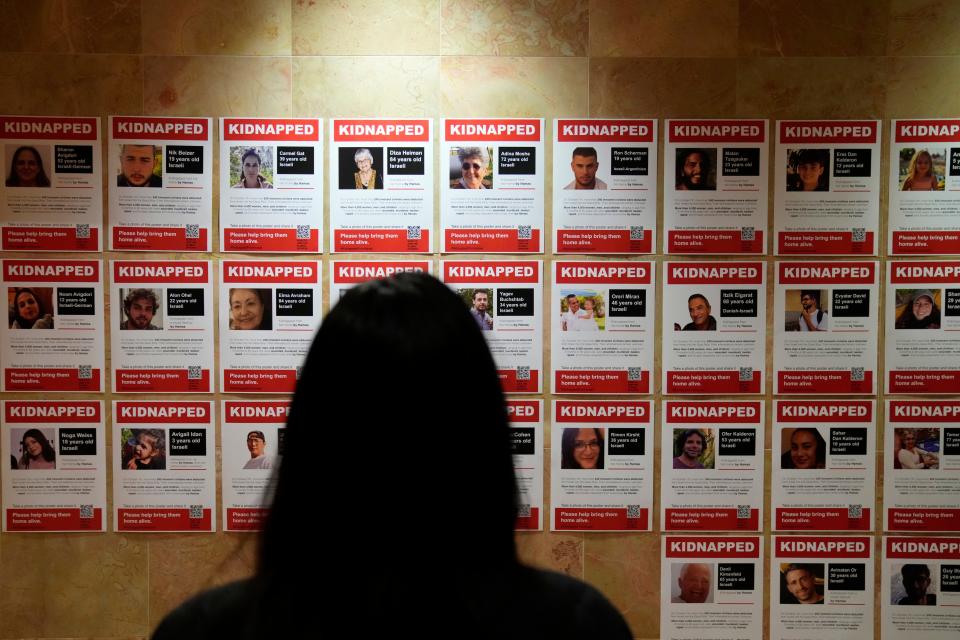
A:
(283, 130)
(48, 128)
(361, 130)
(493, 130)
(147, 128)
(605, 130)
(829, 131)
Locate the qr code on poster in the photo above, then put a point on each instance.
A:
(746, 374)
(413, 232)
(854, 511)
(193, 231)
(84, 372)
(83, 232)
(523, 373)
(633, 511)
(86, 511)
(194, 373)
(856, 374)
(524, 232)
(633, 373)
(747, 234)
(636, 233)
(196, 511)
(859, 235)
(743, 512)
(303, 232)
(523, 511)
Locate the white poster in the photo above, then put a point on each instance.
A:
(714, 327)
(825, 319)
(824, 465)
(603, 322)
(922, 318)
(269, 313)
(526, 445)
(53, 340)
(251, 444)
(920, 588)
(601, 476)
(346, 274)
(711, 465)
(605, 186)
(711, 587)
(162, 326)
(827, 193)
(271, 185)
(381, 185)
(921, 468)
(505, 298)
(51, 196)
(491, 185)
(924, 204)
(715, 187)
(58, 475)
(160, 183)
(833, 573)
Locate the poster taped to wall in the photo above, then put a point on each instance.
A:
(58, 475)
(271, 185)
(711, 471)
(526, 445)
(160, 182)
(602, 334)
(602, 473)
(164, 471)
(720, 349)
(53, 339)
(824, 465)
(605, 199)
(269, 312)
(347, 274)
(251, 445)
(505, 298)
(825, 321)
(162, 326)
(713, 582)
(827, 193)
(715, 187)
(381, 185)
(831, 572)
(491, 176)
(920, 588)
(51, 196)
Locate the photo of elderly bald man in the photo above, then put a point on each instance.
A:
(694, 583)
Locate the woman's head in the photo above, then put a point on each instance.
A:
(921, 165)
(364, 159)
(908, 438)
(581, 449)
(27, 307)
(807, 449)
(250, 164)
(250, 309)
(26, 169)
(691, 443)
(588, 304)
(920, 311)
(35, 446)
(474, 163)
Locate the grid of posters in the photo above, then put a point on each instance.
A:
(381, 185)
(602, 334)
(922, 319)
(601, 476)
(164, 472)
(833, 572)
(711, 471)
(605, 199)
(160, 183)
(251, 444)
(720, 349)
(921, 474)
(349, 273)
(711, 587)
(269, 312)
(162, 333)
(51, 198)
(271, 185)
(54, 339)
(715, 187)
(920, 588)
(526, 445)
(827, 194)
(491, 195)
(58, 477)
(505, 298)
(824, 465)
(924, 204)
(825, 322)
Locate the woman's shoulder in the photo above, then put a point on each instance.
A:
(222, 612)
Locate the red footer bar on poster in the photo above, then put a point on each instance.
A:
(161, 380)
(380, 241)
(612, 241)
(711, 382)
(159, 239)
(925, 382)
(246, 519)
(823, 243)
(491, 240)
(926, 242)
(530, 522)
(51, 380)
(46, 519)
(713, 241)
(823, 382)
(923, 519)
(710, 520)
(600, 519)
(255, 381)
(600, 382)
(49, 239)
(270, 240)
(510, 383)
(162, 519)
(822, 520)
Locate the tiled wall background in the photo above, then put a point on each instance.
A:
(434, 58)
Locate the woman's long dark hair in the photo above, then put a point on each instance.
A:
(786, 461)
(47, 453)
(567, 443)
(21, 322)
(13, 180)
(907, 319)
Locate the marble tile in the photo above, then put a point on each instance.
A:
(47, 582)
(79, 26)
(63, 84)
(237, 27)
(561, 552)
(366, 27)
(650, 28)
(385, 86)
(217, 86)
(916, 87)
(667, 87)
(626, 568)
(515, 28)
(513, 87)
(813, 28)
(181, 566)
(811, 87)
(923, 28)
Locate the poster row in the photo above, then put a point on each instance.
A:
(490, 173)
(824, 466)
(602, 323)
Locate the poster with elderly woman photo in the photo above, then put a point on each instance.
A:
(46, 161)
(494, 199)
(381, 185)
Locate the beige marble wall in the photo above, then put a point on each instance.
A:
(768, 58)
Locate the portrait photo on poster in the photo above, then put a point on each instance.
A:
(585, 165)
(808, 170)
(141, 309)
(481, 306)
(582, 310)
(691, 582)
(32, 449)
(360, 168)
(922, 168)
(801, 583)
(806, 310)
(582, 448)
(916, 448)
(141, 165)
(143, 449)
(251, 167)
(693, 448)
(917, 309)
(28, 165)
(913, 584)
(471, 167)
(696, 169)
(30, 307)
(802, 448)
(251, 309)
